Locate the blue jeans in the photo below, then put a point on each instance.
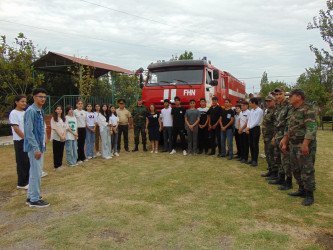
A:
(228, 134)
(90, 141)
(71, 152)
(106, 142)
(36, 167)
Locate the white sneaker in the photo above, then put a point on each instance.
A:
(98, 154)
(116, 154)
(156, 152)
(44, 174)
(184, 152)
(86, 160)
(23, 187)
(173, 152)
(89, 158)
(152, 151)
(79, 162)
(108, 157)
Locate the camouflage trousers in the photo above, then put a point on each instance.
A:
(303, 166)
(269, 152)
(281, 159)
(137, 130)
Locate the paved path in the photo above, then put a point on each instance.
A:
(6, 140)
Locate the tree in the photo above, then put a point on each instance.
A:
(17, 73)
(266, 87)
(185, 56)
(324, 59)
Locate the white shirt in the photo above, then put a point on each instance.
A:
(244, 116)
(102, 123)
(60, 126)
(72, 124)
(236, 120)
(113, 120)
(80, 117)
(16, 118)
(91, 119)
(255, 118)
(166, 117)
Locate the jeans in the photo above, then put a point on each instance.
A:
(36, 167)
(114, 142)
(71, 152)
(227, 135)
(106, 142)
(167, 136)
(22, 162)
(192, 139)
(90, 141)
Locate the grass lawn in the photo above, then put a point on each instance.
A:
(143, 200)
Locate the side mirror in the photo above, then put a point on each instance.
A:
(216, 74)
(214, 83)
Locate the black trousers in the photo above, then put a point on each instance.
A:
(215, 134)
(203, 139)
(122, 129)
(245, 146)
(181, 133)
(22, 164)
(167, 137)
(58, 152)
(80, 144)
(254, 142)
(238, 143)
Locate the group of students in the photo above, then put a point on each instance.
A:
(207, 128)
(81, 130)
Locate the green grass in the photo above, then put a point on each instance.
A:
(143, 200)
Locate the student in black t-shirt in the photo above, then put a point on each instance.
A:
(214, 116)
(203, 138)
(178, 116)
(226, 122)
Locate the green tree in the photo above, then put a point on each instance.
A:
(17, 74)
(266, 87)
(185, 56)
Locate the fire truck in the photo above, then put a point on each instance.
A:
(189, 79)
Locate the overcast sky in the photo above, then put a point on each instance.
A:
(243, 37)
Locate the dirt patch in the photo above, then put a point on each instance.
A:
(111, 234)
(225, 242)
(26, 244)
(324, 239)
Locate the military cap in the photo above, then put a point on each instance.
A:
(280, 89)
(270, 98)
(297, 91)
(121, 101)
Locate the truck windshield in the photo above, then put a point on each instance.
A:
(175, 76)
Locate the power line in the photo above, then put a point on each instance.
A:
(259, 77)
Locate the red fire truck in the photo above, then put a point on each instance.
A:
(189, 79)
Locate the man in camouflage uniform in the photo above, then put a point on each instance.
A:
(268, 133)
(139, 114)
(282, 159)
(301, 135)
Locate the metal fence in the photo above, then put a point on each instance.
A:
(52, 101)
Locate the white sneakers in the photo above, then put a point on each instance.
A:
(108, 157)
(116, 154)
(98, 154)
(173, 152)
(23, 187)
(184, 152)
(44, 174)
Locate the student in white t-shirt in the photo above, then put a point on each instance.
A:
(71, 137)
(114, 121)
(103, 122)
(58, 136)
(81, 118)
(90, 131)
(22, 159)
(166, 119)
(97, 133)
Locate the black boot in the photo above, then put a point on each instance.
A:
(300, 192)
(279, 181)
(309, 199)
(144, 148)
(273, 176)
(136, 148)
(288, 184)
(268, 174)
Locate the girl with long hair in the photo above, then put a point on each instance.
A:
(22, 159)
(71, 137)
(90, 131)
(58, 136)
(103, 122)
(154, 126)
(114, 121)
(97, 133)
(81, 118)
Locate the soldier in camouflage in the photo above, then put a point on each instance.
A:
(282, 159)
(268, 133)
(301, 135)
(139, 114)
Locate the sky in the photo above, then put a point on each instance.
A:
(243, 37)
